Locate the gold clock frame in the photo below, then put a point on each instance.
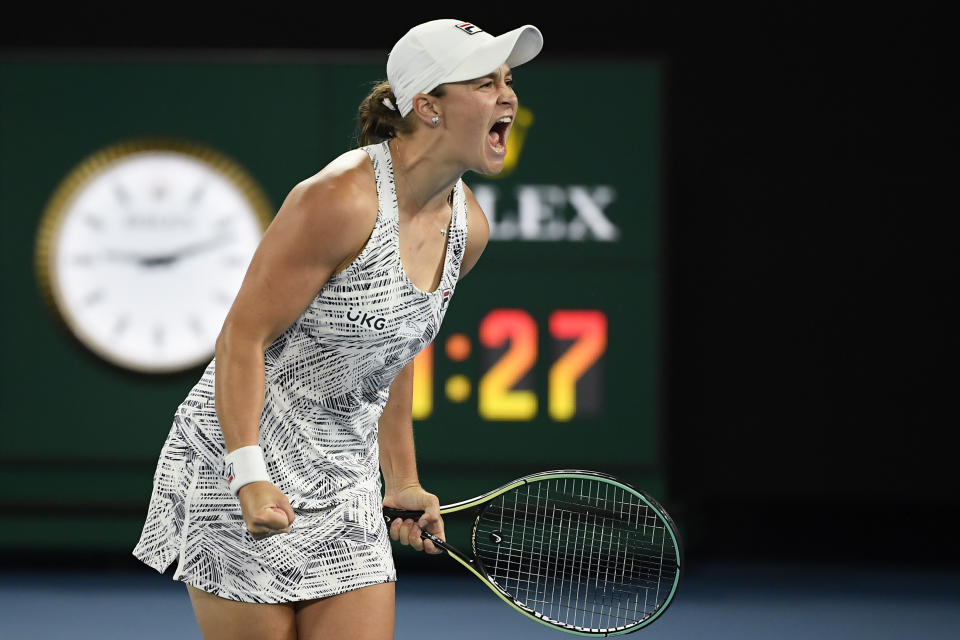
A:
(52, 218)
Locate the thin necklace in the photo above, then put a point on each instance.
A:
(443, 230)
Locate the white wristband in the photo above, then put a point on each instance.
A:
(245, 465)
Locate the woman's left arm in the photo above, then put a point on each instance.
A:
(399, 465)
(397, 453)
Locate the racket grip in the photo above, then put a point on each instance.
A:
(390, 514)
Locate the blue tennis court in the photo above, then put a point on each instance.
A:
(715, 601)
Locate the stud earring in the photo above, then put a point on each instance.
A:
(436, 120)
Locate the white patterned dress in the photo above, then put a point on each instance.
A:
(327, 381)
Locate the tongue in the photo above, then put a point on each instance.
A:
(494, 137)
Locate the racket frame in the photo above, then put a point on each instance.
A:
(475, 566)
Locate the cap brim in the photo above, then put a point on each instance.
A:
(514, 47)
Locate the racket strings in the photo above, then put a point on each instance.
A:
(582, 554)
(645, 548)
(647, 538)
(530, 575)
(586, 587)
(646, 558)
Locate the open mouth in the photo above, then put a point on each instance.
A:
(498, 134)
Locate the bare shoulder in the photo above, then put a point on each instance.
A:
(341, 192)
(478, 232)
(323, 223)
(337, 206)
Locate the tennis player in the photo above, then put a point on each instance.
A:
(268, 490)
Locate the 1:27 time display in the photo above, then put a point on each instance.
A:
(497, 397)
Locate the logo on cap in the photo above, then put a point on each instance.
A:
(468, 28)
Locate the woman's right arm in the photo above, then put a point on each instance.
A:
(322, 224)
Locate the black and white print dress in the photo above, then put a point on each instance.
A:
(327, 381)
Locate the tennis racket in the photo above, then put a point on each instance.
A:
(578, 551)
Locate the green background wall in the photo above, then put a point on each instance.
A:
(80, 437)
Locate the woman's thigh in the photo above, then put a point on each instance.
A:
(361, 614)
(224, 619)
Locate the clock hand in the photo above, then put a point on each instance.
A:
(156, 261)
(184, 252)
(166, 259)
(137, 258)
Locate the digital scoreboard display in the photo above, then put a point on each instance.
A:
(510, 340)
(548, 355)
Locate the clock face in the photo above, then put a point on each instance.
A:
(144, 248)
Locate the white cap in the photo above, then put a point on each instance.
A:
(442, 51)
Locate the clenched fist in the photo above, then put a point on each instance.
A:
(265, 509)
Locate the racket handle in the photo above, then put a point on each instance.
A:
(390, 514)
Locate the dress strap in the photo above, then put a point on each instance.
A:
(457, 239)
(383, 171)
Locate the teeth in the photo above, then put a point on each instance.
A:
(506, 119)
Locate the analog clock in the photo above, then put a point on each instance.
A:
(143, 247)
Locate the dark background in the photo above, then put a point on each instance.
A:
(810, 341)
